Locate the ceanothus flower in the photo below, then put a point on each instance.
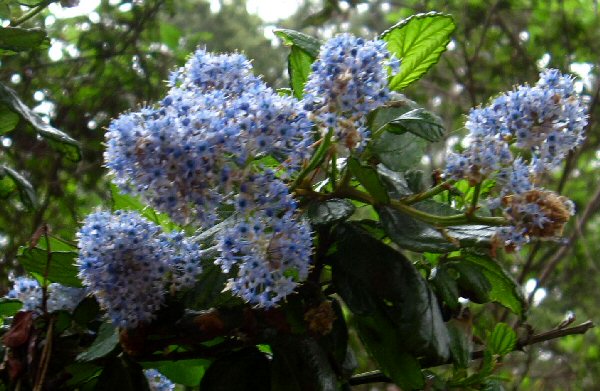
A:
(60, 298)
(270, 254)
(126, 261)
(157, 381)
(189, 154)
(534, 213)
(349, 79)
(547, 120)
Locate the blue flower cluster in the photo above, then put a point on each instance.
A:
(546, 120)
(271, 252)
(189, 154)
(127, 261)
(60, 298)
(349, 79)
(157, 381)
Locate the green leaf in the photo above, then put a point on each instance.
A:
(418, 42)
(420, 123)
(370, 275)
(412, 234)
(502, 340)
(57, 139)
(395, 182)
(299, 67)
(81, 373)
(186, 372)
(86, 311)
(9, 307)
(26, 190)
(473, 283)
(305, 42)
(16, 39)
(299, 363)
(505, 289)
(445, 286)
(461, 344)
(208, 290)
(61, 268)
(244, 370)
(329, 211)
(367, 176)
(106, 341)
(385, 345)
(398, 152)
(122, 374)
(8, 119)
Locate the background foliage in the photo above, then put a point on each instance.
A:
(117, 58)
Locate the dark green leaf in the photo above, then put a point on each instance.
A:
(106, 341)
(385, 345)
(395, 182)
(305, 42)
(398, 152)
(123, 375)
(472, 282)
(367, 176)
(9, 307)
(16, 39)
(418, 42)
(26, 191)
(57, 139)
(505, 289)
(208, 290)
(445, 286)
(8, 119)
(299, 66)
(299, 363)
(81, 373)
(185, 372)
(420, 123)
(244, 370)
(86, 311)
(61, 268)
(502, 340)
(461, 343)
(330, 211)
(413, 234)
(370, 276)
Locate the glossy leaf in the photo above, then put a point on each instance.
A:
(330, 211)
(419, 122)
(60, 267)
(418, 42)
(299, 363)
(461, 345)
(58, 139)
(367, 176)
(122, 201)
(504, 289)
(305, 42)
(25, 188)
(106, 341)
(473, 283)
(502, 340)
(370, 275)
(399, 152)
(299, 67)
(244, 370)
(16, 39)
(385, 345)
(186, 372)
(445, 286)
